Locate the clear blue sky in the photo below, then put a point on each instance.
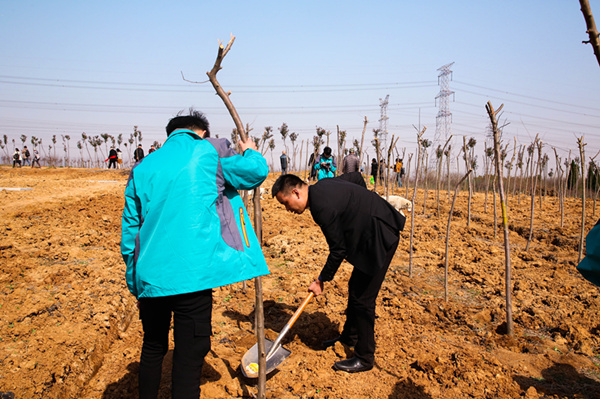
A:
(69, 67)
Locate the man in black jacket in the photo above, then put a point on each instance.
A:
(360, 227)
(138, 154)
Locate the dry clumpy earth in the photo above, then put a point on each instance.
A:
(69, 326)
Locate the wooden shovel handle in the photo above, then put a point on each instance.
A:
(289, 325)
(300, 309)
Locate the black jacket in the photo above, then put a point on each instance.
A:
(359, 225)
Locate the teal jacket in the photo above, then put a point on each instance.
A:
(184, 226)
(328, 170)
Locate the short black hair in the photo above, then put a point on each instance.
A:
(327, 151)
(194, 120)
(285, 184)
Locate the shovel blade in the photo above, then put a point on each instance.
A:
(250, 359)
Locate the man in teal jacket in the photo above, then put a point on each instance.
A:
(184, 232)
(326, 165)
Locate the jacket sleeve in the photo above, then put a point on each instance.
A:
(246, 171)
(130, 226)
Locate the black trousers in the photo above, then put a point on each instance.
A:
(359, 328)
(192, 330)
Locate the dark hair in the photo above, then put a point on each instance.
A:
(285, 184)
(327, 151)
(195, 120)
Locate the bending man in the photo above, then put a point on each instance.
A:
(360, 227)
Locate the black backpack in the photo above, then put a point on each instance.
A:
(16, 156)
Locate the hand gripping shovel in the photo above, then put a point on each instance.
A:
(276, 353)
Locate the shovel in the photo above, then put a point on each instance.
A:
(276, 353)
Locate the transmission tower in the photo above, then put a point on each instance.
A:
(383, 132)
(443, 121)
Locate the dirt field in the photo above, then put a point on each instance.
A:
(69, 326)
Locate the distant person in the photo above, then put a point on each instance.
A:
(112, 158)
(26, 156)
(119, 158)
(138, 154)
(374, 168)
(399, 169)
(311, 166)
(284, 160)
(151, 150)
(325, 164)
(361, 228)
(36, 159)
(185, 231)
(17, 158)
(351, 162)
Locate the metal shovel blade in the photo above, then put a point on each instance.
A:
(250, 359)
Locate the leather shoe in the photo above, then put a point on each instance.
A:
(331, 342)
(352, 365)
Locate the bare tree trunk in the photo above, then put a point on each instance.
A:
(378, 177)
(439, 175)
(260, 321)
(448, 235)
(561, 205)
(495, 207)
(468, 181)
(591, 28)
(581, 145)
(508, 285)
(387, 169)
(307, 172)
(408, 173)
(536, 143)
(412, 216)
(362, 141)
(448, 173)
(512, 164)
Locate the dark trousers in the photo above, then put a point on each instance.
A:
(359, 328)
(192, 329)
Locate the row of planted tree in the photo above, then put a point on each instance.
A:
(93, 149)
(527, 165)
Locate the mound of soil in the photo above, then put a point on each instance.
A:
(69, 326)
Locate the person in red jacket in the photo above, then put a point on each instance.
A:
(361, 228)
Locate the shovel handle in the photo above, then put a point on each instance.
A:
(289, 324)
(300, 309)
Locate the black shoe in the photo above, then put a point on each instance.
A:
(352, 365)
(331, 342)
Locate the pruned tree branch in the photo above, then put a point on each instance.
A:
(591, 28)
(212, 77)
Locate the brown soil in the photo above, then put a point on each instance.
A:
(69, 326)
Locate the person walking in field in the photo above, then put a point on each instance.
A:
(17, 158)
(399, 169)
(350, 163)
(119, 158)
(374, 168)
(360, 227)
(26, 156)
(36, 159)
(284, 160)
(184, 232)
(138, 154)
(112, 158)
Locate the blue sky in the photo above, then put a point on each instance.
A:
(69, 67)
